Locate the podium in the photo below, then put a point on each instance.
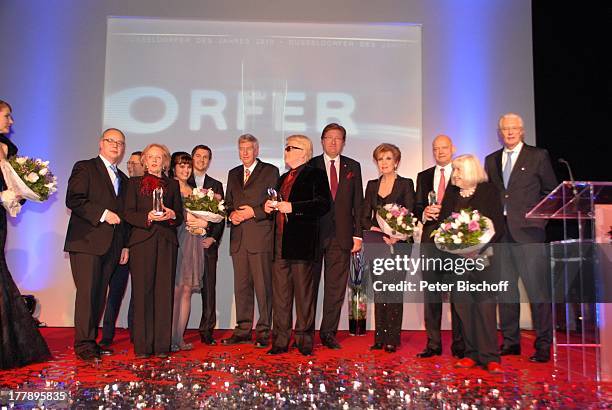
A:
(586, 343)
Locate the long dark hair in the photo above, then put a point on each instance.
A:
(179, 157)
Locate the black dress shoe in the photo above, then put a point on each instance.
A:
(105, 342)
(376, 346)
(277, 350)
(207, 339)
(540, 356)
(162, 355)
(305, 351)
(261, 343)
(514, 350)
(143, 356)
(390, 348)
(331, 343)
(235, 340)
(88, 356)
(105, 350)
(429, 353)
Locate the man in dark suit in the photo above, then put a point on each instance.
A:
(340, 231)
(524, 175)
(202, 155)
(305, 198)
(96, 236)
(251, 245)
(436, 179)
(119, 278)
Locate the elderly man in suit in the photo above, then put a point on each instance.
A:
(340, 231)
(251, 245)
(524, 175)
(96, 236)
(436, 179)
(305, 197)
(202, 156)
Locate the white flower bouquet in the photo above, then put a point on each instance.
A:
(206, 204)
(26, 178)
(395, 221)
(464, 233)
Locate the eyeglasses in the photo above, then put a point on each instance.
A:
(511, 128)
(115, 142)
(288, 148)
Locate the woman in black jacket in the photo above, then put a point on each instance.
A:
(389, 188)
(153, 251)
(477, 310)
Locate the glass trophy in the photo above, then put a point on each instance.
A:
(158, 201)
(432, 198)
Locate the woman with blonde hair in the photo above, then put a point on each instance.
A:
(153, 247)
(477, 310)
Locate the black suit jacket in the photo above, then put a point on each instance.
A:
(138, 205)
(214, 230)
(310, 199)
(485, 199)
(256, 234)
(425, 184)
(531, 180)
(90, 191)
(401, 194)
(343, 218)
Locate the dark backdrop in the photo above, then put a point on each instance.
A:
(571, 43)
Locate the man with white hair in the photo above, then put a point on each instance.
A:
(524, 175)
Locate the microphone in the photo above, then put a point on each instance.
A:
(571, 175)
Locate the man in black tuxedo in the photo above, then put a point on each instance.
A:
(305, 198)
(202, 155)
(251, 245)
(119, 278)
(436, 179)
(96, 236)
(524, 175)
(340, 231)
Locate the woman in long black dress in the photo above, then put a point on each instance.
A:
(389, 188)
(20, 341)
(477, 310)
(153, 251)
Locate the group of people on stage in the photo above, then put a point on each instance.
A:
(286, 232)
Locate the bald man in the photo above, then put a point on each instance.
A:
(436, 179)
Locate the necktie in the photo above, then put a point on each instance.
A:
(117, 180)
(333, 178)
(285, 191)
(441, 186)
(247, 174)
(508, 168)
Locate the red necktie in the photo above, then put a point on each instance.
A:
(441, 186)
(333, 179)
(285, 191)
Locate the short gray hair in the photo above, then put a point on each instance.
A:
(248, 138)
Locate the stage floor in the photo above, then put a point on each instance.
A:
(354, 377)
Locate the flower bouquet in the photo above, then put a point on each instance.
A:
(464, 233)
(358, 301)
(395, 220)
(205, 204)
(26, 178)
